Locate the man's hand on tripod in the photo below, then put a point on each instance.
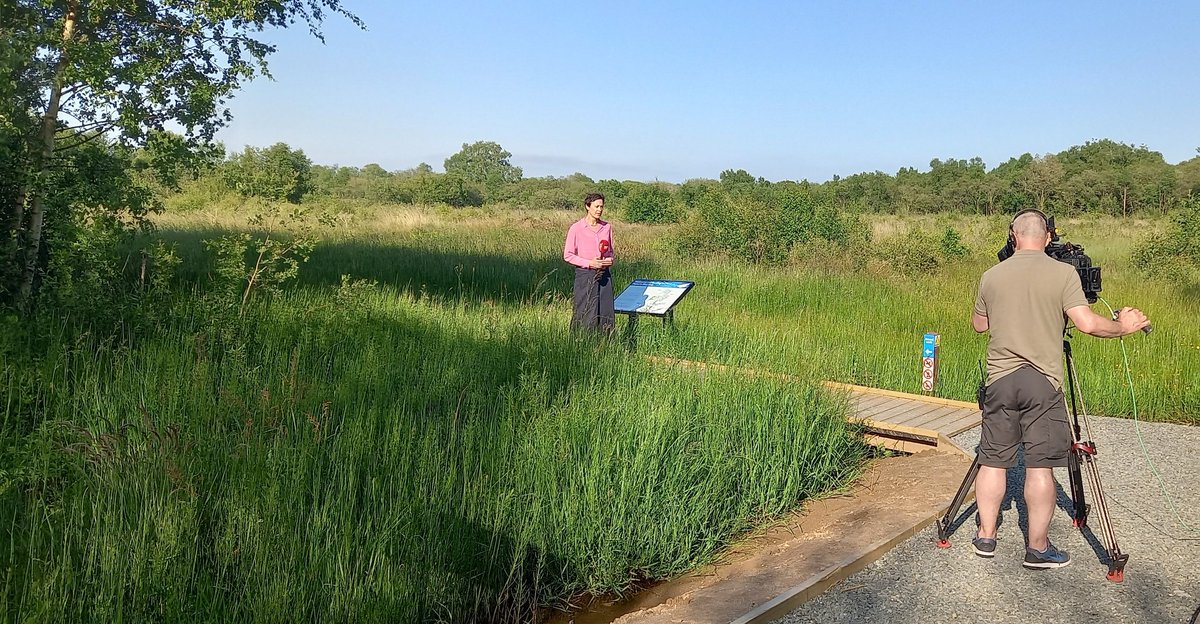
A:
(1131, 320)
(1123, 323)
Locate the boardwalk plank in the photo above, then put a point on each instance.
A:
(882, 406)
(903, 407)
(870, 401)
(914, 411)
(970, 421)
(949, 419)
(935, 415)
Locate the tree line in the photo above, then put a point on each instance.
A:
(738, 214)
(101, 190)
(1098, 177)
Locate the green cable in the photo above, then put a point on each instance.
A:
(1137, 426)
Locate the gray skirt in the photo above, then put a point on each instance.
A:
(593, 301)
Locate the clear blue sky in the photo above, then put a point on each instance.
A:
(678, 90)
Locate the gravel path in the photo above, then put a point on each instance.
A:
(917, 582)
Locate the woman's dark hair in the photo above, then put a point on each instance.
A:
(591, 197)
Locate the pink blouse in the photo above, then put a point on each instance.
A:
(583, 245)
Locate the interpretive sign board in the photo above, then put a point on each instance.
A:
(653, 297)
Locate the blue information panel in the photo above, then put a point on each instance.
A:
(929, 360)
(929, 345)
(647, 296)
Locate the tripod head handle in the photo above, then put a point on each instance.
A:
(1146, 330)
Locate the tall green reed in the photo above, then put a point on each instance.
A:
(392, 458)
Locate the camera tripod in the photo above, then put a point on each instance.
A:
(1081, 462)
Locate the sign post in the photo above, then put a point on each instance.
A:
(929, 362)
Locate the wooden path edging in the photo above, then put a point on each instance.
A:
(832, 539)
(813, 586)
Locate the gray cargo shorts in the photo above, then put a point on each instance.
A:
(1023, 407)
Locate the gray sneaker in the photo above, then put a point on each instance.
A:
(984, 546)
(1050, 558)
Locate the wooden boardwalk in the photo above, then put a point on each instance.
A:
(909, 422)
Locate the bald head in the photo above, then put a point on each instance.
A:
(1030, 231)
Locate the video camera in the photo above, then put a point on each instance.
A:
(1072, 254)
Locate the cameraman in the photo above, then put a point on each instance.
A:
(1022, 302)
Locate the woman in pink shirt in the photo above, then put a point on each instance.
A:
(589, 249)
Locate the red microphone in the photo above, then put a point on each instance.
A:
(604, 247)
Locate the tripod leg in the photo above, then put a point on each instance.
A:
(1082, 461)
(1078, 447)
(1080, 514)
(1116, 559)
(952, 511)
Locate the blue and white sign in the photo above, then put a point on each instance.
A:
(930, 345)
(929, 361)
(647, 296)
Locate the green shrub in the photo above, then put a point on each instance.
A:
(277, 173)
(916, 250)
(207, 191)
(431, 188)
(1175, 254)
(554, 199)
(614, 191)
(546, 193)
(691, 191)
(649, 204)
(763, 227)
(952, 245)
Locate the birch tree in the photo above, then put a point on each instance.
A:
(77, 71)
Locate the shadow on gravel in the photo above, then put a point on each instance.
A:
(1014, 498)
(914, 593)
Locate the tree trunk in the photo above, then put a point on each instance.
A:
(14, 242)
(41, 161)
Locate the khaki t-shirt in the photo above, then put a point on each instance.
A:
(1024, 298)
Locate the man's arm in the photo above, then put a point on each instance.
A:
(979, 319)
(1087, 321)
(979, 322)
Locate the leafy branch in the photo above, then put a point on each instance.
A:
(261, 263)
